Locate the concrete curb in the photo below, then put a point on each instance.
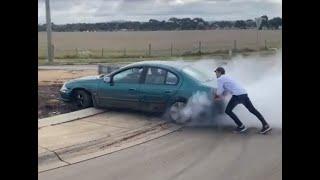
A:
(49, 121)
(153, 134)
(77, 153)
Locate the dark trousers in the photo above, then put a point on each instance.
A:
(242, 99)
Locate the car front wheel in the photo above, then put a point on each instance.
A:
(82, 99)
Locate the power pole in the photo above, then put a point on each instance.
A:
(258, 23)
(48, 17)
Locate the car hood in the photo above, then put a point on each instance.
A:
(85, 79)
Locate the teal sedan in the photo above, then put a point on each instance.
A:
(154, 86)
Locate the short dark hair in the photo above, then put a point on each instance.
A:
(221, 70)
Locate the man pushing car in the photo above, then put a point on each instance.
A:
(239, 96)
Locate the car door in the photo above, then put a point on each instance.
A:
(159, 86)
(123, 90)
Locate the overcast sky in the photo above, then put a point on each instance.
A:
(91, 11)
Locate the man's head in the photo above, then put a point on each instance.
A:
(219, 71)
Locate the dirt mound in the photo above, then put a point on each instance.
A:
(48, 102)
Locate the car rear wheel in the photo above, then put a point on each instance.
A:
(176, 113)
(82, 99)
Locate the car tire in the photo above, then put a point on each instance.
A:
(82, 99)
(95, 103)
(175, 113)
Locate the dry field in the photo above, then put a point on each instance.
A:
(137, 42)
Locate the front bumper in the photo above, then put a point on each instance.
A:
(66, 96)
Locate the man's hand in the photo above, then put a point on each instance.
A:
(216, 97)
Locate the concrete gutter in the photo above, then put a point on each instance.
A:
(63, 118)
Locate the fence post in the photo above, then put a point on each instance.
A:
(265, 44)
(150, 49)
(258, 39)
(52, 46)
(199, 47)
(230, 53)
(235, 45)
(99, 69)
(171, 49)
(77, 52)
(102, 52)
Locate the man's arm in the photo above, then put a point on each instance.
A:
(219, 91)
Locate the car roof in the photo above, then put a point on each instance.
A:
(164, 64)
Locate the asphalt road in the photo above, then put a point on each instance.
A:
(195, 153)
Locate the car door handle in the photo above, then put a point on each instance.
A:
(167, 92)
(132, 89)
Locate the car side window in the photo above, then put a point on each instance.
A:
(155, 76)
(131, 75)
(172, 79)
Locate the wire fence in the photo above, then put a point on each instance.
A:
(200, 47)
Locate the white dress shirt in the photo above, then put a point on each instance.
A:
(225, 83)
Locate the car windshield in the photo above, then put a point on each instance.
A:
(197, 74)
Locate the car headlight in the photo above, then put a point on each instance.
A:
(64, 88)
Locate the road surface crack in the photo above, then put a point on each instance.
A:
(56, 155)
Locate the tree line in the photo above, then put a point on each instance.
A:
(172, 24)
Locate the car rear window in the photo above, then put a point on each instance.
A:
(171, 79)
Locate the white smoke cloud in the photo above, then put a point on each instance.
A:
(262, 78)
(195, 105)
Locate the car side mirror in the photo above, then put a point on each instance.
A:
(107, 79)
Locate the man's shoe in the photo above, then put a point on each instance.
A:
(265, 129)
(240, 129)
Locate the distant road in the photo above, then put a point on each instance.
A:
(69, 67)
